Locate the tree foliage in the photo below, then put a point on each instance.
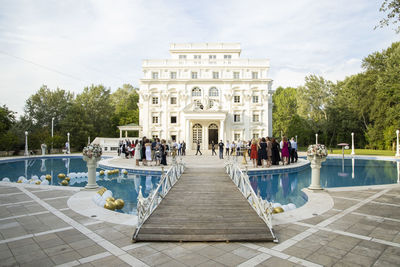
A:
(367, 104)
(392, 8)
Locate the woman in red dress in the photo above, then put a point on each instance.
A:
(253, 152)
(285, 151)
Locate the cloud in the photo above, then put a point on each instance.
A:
(98, 41)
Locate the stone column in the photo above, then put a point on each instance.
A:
(120, 133)
(91, 165)
(221, 130)
(126, 134)
(187, 133)
(315, 172)
(205, 138)
(352, 144)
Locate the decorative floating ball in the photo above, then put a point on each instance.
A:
(61, 175)
(109, 205)
(64, 182)
(45, 182)
(48, 177)
(125, 172)
(101, 172)
(277, 210)
(119, 204)
(67, 178)
(101, 191)
(38, 182)
(19, 181)
(110, 199)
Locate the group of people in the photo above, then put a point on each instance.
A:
(264, 152)
(148, 151)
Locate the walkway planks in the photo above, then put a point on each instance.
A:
(204, 205)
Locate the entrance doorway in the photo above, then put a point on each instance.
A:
(212, 135)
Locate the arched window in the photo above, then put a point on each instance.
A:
(213, 91)
(197, 133)
(213, 126)
(196, 91)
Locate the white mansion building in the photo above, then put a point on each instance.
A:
(205, 92)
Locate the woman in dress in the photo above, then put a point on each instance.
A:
(269, 152)
(157, 154)
(259, 156)
(138, 155)
(275, 152)
(285, 151)
(263, 148)
(163, 151)
(148, 151)
(253, 152)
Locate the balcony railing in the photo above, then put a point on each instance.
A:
(264, 63)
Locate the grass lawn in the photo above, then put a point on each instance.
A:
(370, 152)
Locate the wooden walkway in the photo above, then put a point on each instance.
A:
(204, 205)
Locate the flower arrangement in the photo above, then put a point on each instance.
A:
(92, 151)
(317, 150)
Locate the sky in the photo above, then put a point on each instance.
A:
(71, 44)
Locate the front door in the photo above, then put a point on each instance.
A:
(212, 135)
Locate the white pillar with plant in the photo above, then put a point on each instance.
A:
(316, 154)
(92, 155)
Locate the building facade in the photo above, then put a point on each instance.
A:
(205, 92)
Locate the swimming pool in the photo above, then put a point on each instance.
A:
(285, 187)
(125, 187)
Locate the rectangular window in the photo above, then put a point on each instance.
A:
(182, 56)
(237, 136)
(236, 99)
(155, 120)
(254, 75)
(236, 75)
(155, 136)
(212, 57)
(255, 98)
(197, 56)
(194, 75)
(173, 100)
(236, 118)
(227, 56)
(173, 137)
(256, 118)
(154, 75)
(154, 100)
(173, 119)
(255, 135)
(173, 75)
(215, 75)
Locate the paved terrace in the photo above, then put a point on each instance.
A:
(37, 228)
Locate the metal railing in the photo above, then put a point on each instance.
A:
(241, 180)
(146, 206)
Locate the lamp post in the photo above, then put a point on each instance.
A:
(52, 133)
(296, 138)
(316, 139)
(352, 144)
(398, 146)
(26, 144)
(69, 146)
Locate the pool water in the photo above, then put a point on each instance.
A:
(125, 187)
(286, 187)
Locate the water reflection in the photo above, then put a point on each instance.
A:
(281, 188)
(398, 172)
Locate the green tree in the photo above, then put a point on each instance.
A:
(8, 139)
(97, 110)
(393, 9)
(125, 101)
(46, 104)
